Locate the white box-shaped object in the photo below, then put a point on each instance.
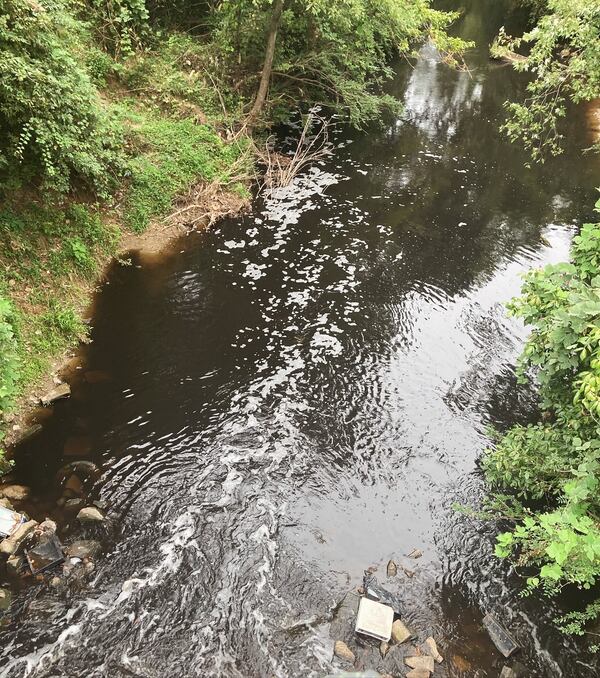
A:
(374, 619)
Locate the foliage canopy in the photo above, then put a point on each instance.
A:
(563, 56)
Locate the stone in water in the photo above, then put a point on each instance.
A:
(422, 663)
(342, 651)
(374, 619)
(400, 634)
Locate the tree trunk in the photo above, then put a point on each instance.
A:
(265, 78)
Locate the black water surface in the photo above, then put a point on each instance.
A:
(302, 393)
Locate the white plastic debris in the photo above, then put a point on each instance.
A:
(374, 619)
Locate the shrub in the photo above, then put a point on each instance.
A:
(53, 125)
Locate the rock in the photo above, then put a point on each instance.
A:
(507, 672)
(83, 468)
(400, 634)
(418, 673)
(422, 663)
(6, 503)
(60, 392)
(55, 582)
(77, 446)
(74, 505)
(431, 648)
(47, 526)
(74, 485)
(461, 663)
(342, 651)
(415, 553)
(384, 648)
(392, 569)
(11, 544)
(89, 567)
(84, 548)
(15, 565)
(5, 598)
(90, 514)
(15, 492)
(409, 573)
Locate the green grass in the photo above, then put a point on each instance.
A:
(172, 155)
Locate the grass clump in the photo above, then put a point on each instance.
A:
(172, 155)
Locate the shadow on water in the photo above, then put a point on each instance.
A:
(302, 393)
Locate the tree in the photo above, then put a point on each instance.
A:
(564, 59)
(267, 69)
(333, 53)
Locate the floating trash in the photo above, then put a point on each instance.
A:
(500, 636)
(374, 619)
(45, 555)
(9, 520)
(375, 591)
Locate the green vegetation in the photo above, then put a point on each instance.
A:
(546, 475)
(553, 467)
(563, 56)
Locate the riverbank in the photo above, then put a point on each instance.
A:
(184, 170)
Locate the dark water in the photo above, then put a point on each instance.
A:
(303, 393)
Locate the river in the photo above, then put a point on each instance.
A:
(303, 392)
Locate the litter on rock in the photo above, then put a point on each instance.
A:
(500, 636)
(9, 520)
(375, 591)
(374, 619)
(45, 555)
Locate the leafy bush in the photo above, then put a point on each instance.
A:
(53, 125)
(557, 461)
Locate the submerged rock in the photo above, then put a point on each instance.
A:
(60, 392)
(90, 514)
(74, 485)
(400, 634)
(15, 492)
(77, 446)
(342, 651)
(422, 663)
(84, 548)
